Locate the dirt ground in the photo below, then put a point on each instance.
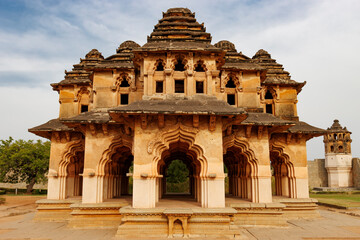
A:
(18, 205)
(17, 213)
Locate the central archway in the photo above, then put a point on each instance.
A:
(179, 151)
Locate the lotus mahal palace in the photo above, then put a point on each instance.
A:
(231, 119)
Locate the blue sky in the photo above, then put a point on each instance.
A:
(316, 41)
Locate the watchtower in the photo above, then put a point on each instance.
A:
(338, 157)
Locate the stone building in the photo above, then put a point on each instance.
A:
(339, 169)
(176, 97)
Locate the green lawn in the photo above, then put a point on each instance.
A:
(339, 199)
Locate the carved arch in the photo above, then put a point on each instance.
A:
(71, 151)
(264, 91)
(80, 93)
(121, 141)
(277, 150)
(202, 64)
(174, 134)
(236, 80)
(123, 77)
(182, 58)
(159, 61)
(252, 169)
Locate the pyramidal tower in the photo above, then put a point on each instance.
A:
(338, 157)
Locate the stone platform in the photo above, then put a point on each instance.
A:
(176, 217)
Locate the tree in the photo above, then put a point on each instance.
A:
(24, 161)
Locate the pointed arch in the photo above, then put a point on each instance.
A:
(232, 77)
(82, 91)
(174, 134)
(120, 141)
(284, 172)
(121, 79)
(72, 149)
(246, 181)
(160, 63)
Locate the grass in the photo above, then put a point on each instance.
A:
(343, 200)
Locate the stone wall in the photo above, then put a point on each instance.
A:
(356, 172)
(317, 173)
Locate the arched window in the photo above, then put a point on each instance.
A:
(199, 67)
(268, 95)
(179, 66)
(230, 83)
(160, 66)
(124, 82)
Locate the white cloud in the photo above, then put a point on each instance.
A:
(316, 41)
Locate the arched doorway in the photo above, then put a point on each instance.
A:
(74, 178)
(71, 169)
(240, 174)
(117, 173)
(283, 180)
(180, 152)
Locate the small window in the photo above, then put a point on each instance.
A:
(124, 83)
(124, 99)
(269, 108)
(268, 95)
(199, 87)
(160, 66)
(84, 108)
(159, 87)
(341, 149)
(231, 99)
(332, 149)
(179, 86)
(179, 66)
(230, 83)
(335, 136)
(199, 67)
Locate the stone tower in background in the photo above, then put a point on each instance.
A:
(338, 157)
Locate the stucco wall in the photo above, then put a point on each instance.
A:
(317, 173)
(356, 172)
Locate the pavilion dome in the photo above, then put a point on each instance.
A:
(262, 54)
(226, 45)
(127, 45)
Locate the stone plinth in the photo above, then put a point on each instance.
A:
(177, 222)
(259, 214)
(54, 210)
(100, 215)
(339, 168)
(299, 208)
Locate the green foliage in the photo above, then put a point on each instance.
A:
(177, 180)
(177, 172)
(24, 161)
(2, 201)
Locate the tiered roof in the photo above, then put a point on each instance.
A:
(179, 30)
(337, 128)
(123, 59)
(236, 60)
(79, 74)
(275, 75)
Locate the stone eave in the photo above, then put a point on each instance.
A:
(53, 125)
(196, 105)
(98, 116)
(265, 119)
(297, 85)
(242, 66)
(304, 128)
